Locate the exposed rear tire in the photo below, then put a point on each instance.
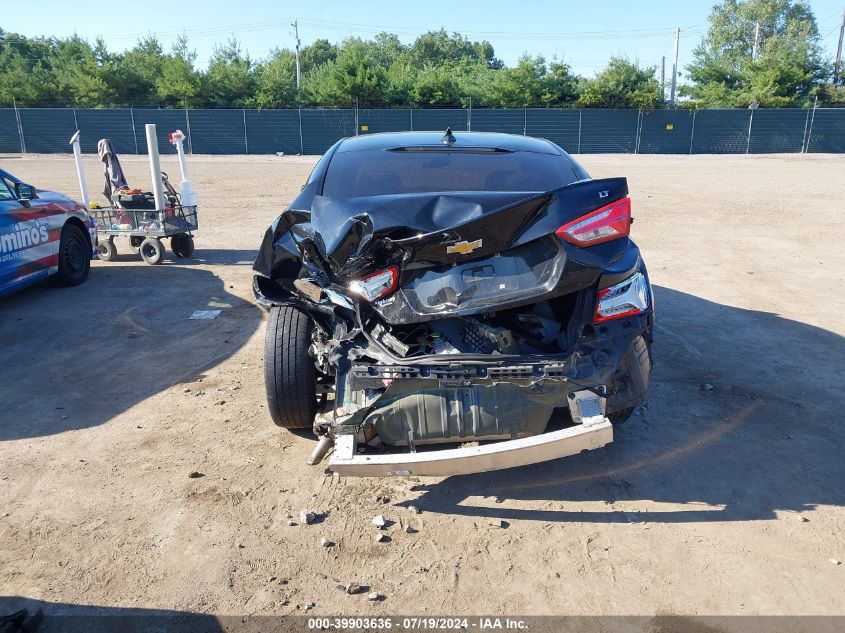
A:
(621, 416)
(152, 251)
(289, 372)
(106, 250)
(636, 368)
(74, 255)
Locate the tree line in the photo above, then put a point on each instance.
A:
(438, 69)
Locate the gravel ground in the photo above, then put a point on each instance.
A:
(710, 501)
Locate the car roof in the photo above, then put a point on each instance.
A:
(463, 140)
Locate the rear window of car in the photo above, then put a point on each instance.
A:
(383, 172)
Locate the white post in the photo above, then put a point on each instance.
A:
(186, 187)
(155, 166)
(80, 170)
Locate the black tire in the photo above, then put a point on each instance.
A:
(107, 250)
(135, 243)
(182, 245)
(152, 251)
(621, 416)
(289, 373)
(631, 392)
(74, 255)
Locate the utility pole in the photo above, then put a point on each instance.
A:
(838, 65)
(295, 26)
(756, 48)
(675, 66)
(663, 79)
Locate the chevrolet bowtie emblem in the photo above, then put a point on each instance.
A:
(463, 248)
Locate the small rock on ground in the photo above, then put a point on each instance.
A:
(379, 521)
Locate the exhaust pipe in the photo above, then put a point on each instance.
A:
(320, 450)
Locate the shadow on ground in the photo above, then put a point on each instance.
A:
(25, 615)
(76, 357)
(226, 257)
(767, 437)
(233, 257)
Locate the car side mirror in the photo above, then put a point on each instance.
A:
(24, 192)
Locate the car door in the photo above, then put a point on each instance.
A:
(26, 249)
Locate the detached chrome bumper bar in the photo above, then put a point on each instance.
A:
(593, 431)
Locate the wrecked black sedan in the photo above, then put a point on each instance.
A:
(434, 298)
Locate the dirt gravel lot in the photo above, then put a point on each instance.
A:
(722, 501)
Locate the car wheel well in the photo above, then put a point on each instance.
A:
(76, 221)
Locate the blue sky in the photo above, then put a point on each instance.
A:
(584, 34)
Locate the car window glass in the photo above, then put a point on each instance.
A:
(6, 190)
(382, 172)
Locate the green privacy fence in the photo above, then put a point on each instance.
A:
(312, 131)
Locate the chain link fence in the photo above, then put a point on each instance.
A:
(313, 131)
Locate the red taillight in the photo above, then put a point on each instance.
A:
(376, 285)
(626, 298)
(610, 222)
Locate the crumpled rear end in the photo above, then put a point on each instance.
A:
(461, 318)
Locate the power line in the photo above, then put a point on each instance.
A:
(582, 35)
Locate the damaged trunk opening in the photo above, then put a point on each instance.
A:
(403, 323)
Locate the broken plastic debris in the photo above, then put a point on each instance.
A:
(204, 314)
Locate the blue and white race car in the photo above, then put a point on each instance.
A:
(42, 233)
